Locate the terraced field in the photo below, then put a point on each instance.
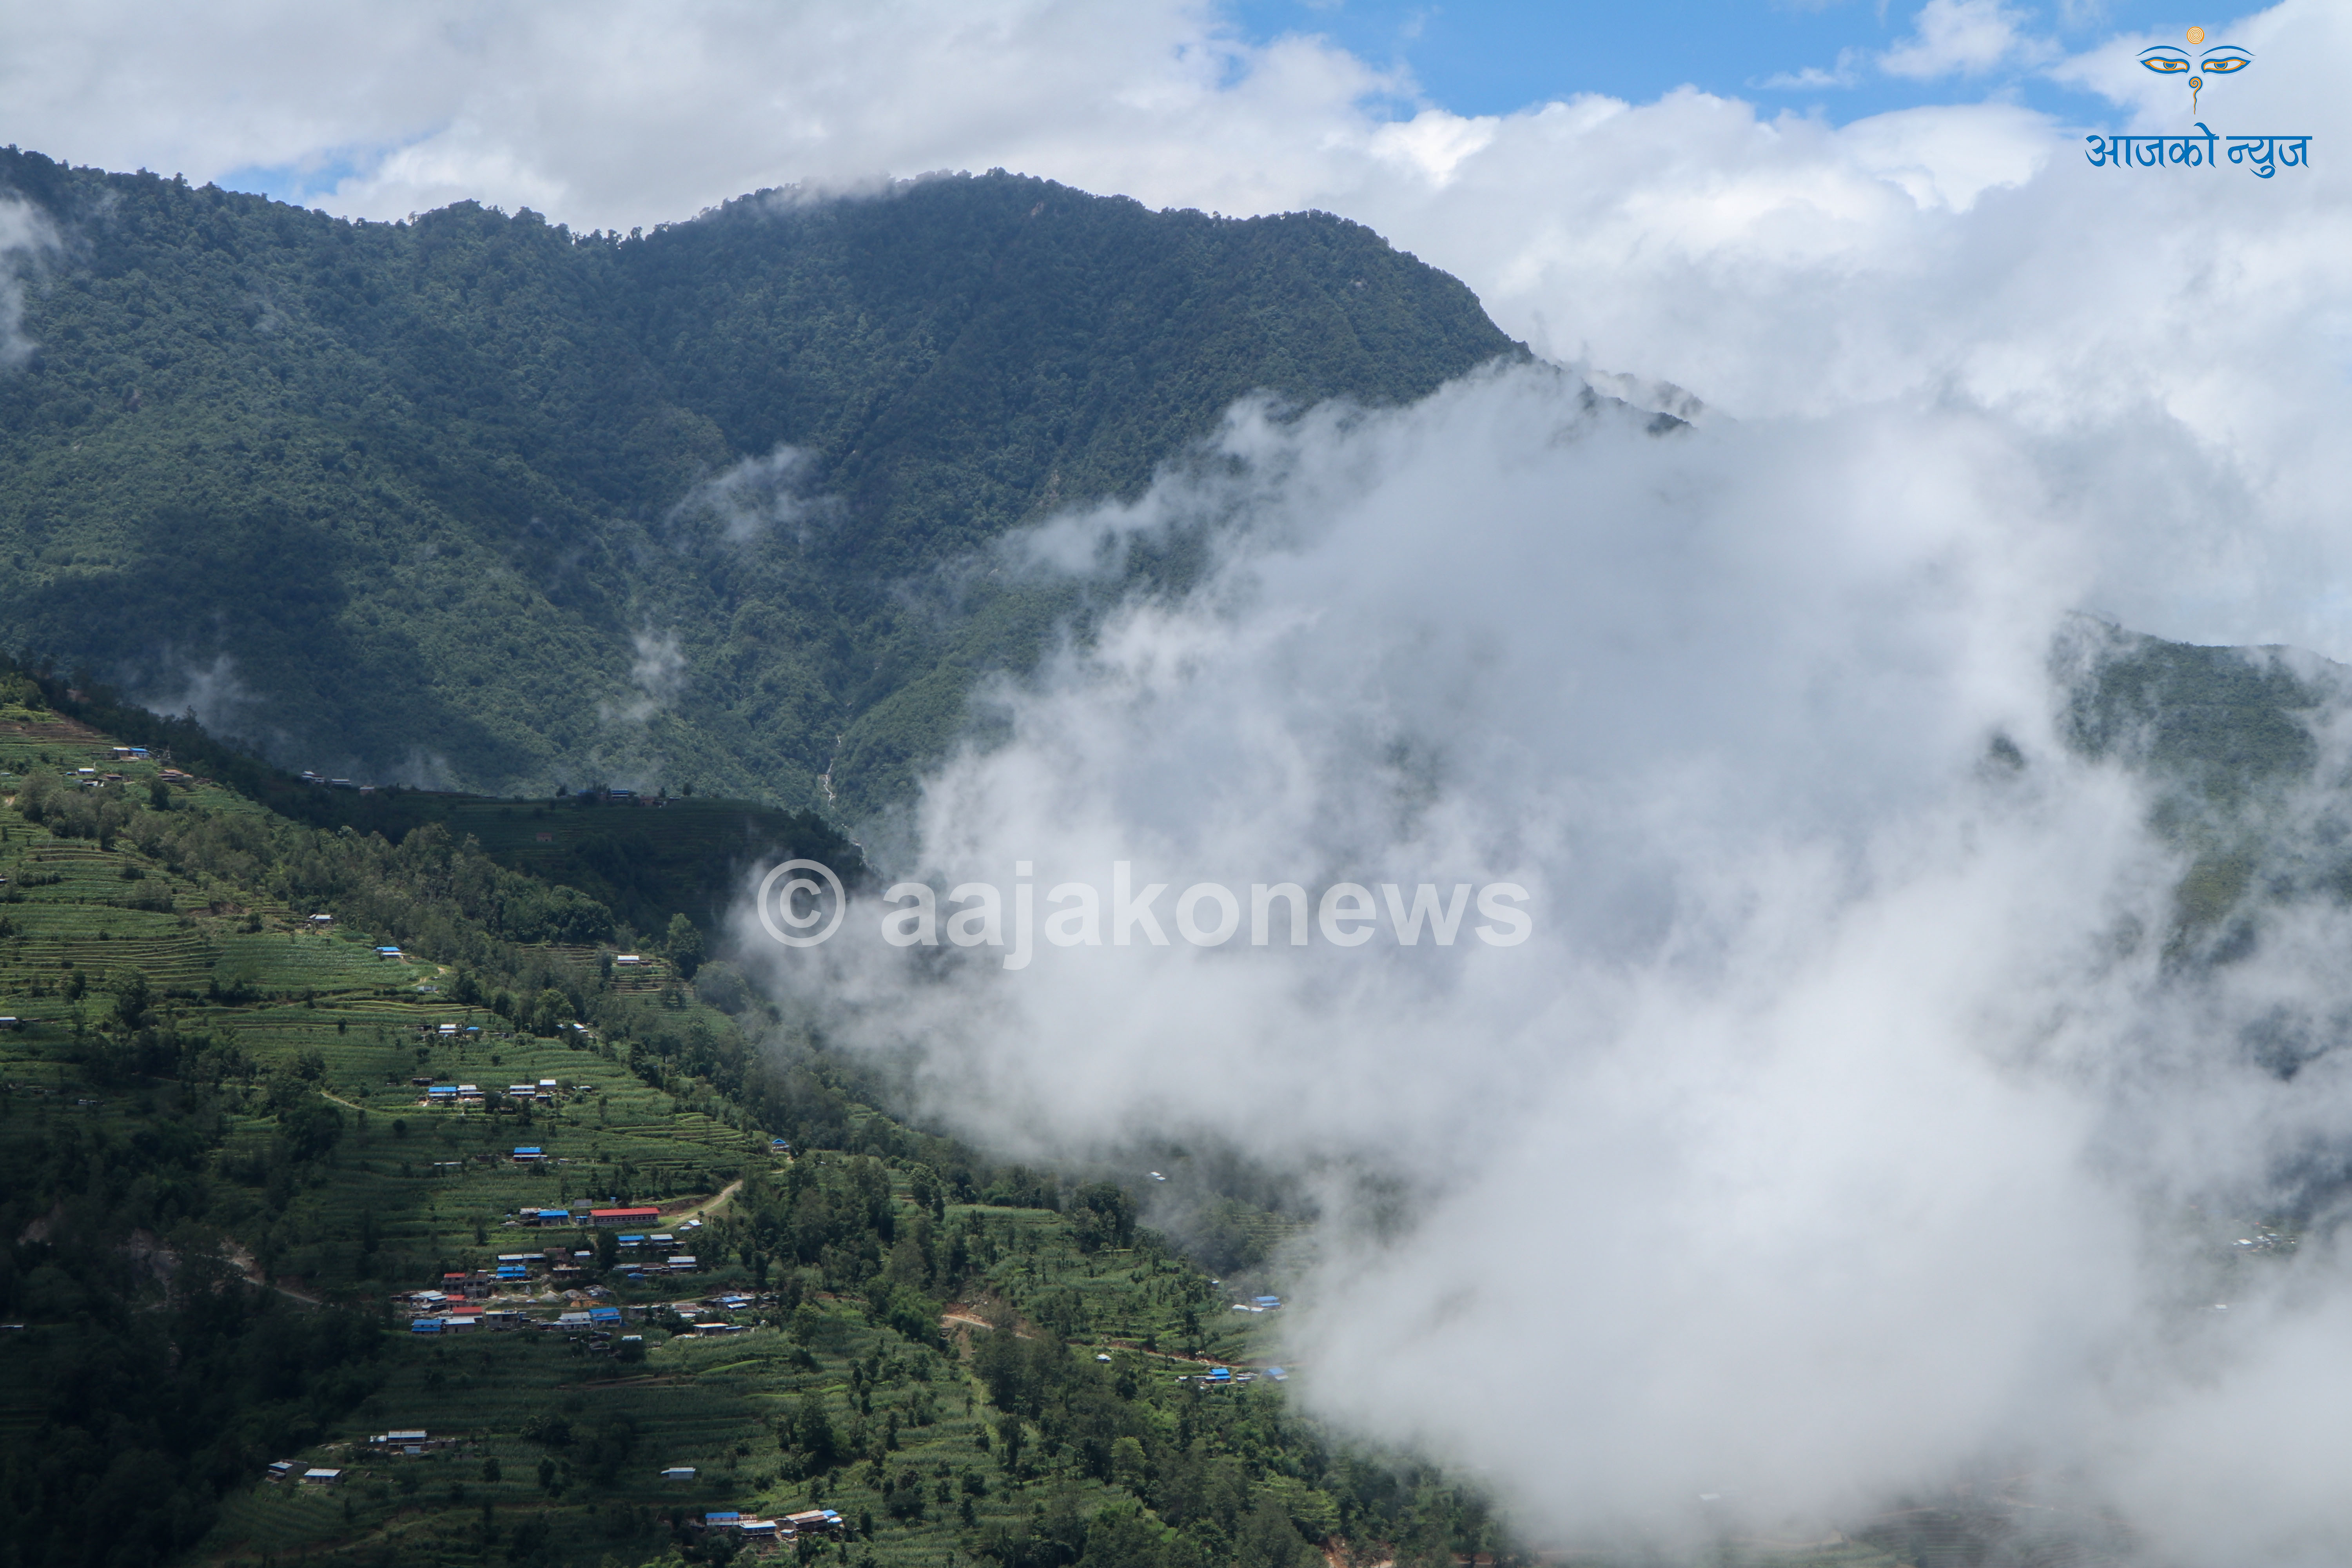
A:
(709, 1404)
(985, 1377)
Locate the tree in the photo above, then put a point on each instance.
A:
(1268, 1539)
(1127, 1463)
(810, 1432)
(1122, 1537)
(131, 998)
(684, 946)
(550, 1012)
(1105, 1216)
(310, 1129)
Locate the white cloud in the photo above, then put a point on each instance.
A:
(1829, 1139)
(1962, 37)
(1433, 144)
(658, 674)
(1810, 1154)
(1847, 73)
(1809, 1150)
(756, 497)
(214, 694)
(619, 114)
(26, 240)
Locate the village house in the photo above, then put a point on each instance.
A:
(814, 1521)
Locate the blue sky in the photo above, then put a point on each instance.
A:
(617, 113)
(301, 183)
(1491, 57)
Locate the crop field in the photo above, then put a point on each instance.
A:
(328, 964)
(710, 1404)
(304, 1060)
(412, 1190)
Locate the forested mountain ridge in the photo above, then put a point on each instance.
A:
(472, 499)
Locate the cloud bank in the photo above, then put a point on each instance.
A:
(1845, 1132)
(1840, 1129)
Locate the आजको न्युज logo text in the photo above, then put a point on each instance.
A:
(2264, 156)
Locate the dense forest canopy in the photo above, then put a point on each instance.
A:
(471, 500)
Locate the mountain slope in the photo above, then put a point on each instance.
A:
(222, 1177)
(472, 499)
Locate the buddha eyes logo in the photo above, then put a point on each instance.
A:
(2263, 156)
(2222, 60)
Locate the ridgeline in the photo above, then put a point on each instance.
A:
(472, 502)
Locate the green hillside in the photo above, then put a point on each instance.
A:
(2229, 723)
(223, 1177)
(645, 861)
(474, 501)
(642, 862)
(2246, 783)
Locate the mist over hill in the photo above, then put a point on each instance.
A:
(472, 499)
(1884, 907)
(1922, 1058)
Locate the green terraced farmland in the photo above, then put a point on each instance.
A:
(229, 1182)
